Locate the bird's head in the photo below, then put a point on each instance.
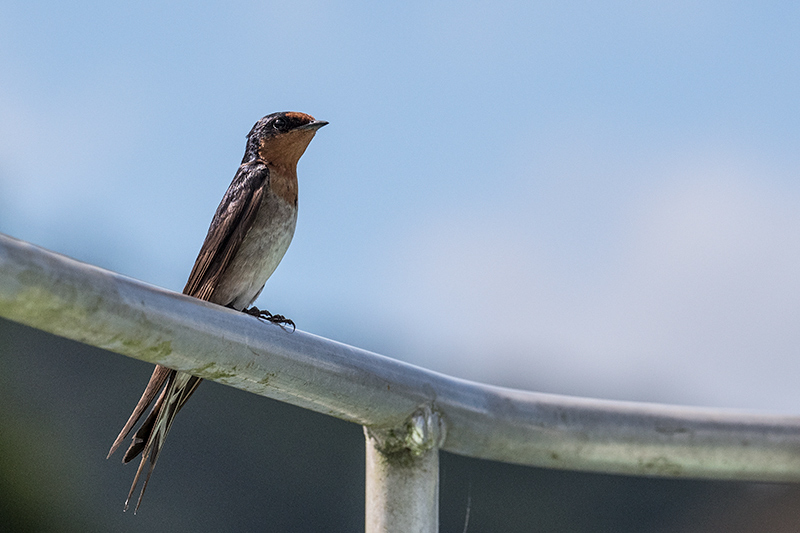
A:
(281, 138)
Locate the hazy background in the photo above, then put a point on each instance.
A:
(568, 197)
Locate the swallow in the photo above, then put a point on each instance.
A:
(249, 235)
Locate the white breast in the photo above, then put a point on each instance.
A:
(259, 254)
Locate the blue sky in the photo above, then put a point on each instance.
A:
(568, 197)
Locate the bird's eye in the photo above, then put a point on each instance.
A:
(279, 124)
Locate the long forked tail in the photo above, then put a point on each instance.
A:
(149, 438)
(160, 375)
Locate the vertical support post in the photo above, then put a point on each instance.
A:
(403, 475)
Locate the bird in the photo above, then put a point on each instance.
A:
(248, 236)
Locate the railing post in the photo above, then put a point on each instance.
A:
(403, 475)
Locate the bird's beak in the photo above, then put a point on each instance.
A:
(314, 126)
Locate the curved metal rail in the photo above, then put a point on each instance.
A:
(62, 296)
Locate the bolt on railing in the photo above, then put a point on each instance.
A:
(409, 413)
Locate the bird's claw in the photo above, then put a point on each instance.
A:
(263, 314)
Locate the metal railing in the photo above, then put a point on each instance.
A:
(409, 413)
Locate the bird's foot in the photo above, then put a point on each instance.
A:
(263, 314)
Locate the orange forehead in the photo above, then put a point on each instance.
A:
(300, 116)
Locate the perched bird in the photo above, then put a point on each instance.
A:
(249, 235)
